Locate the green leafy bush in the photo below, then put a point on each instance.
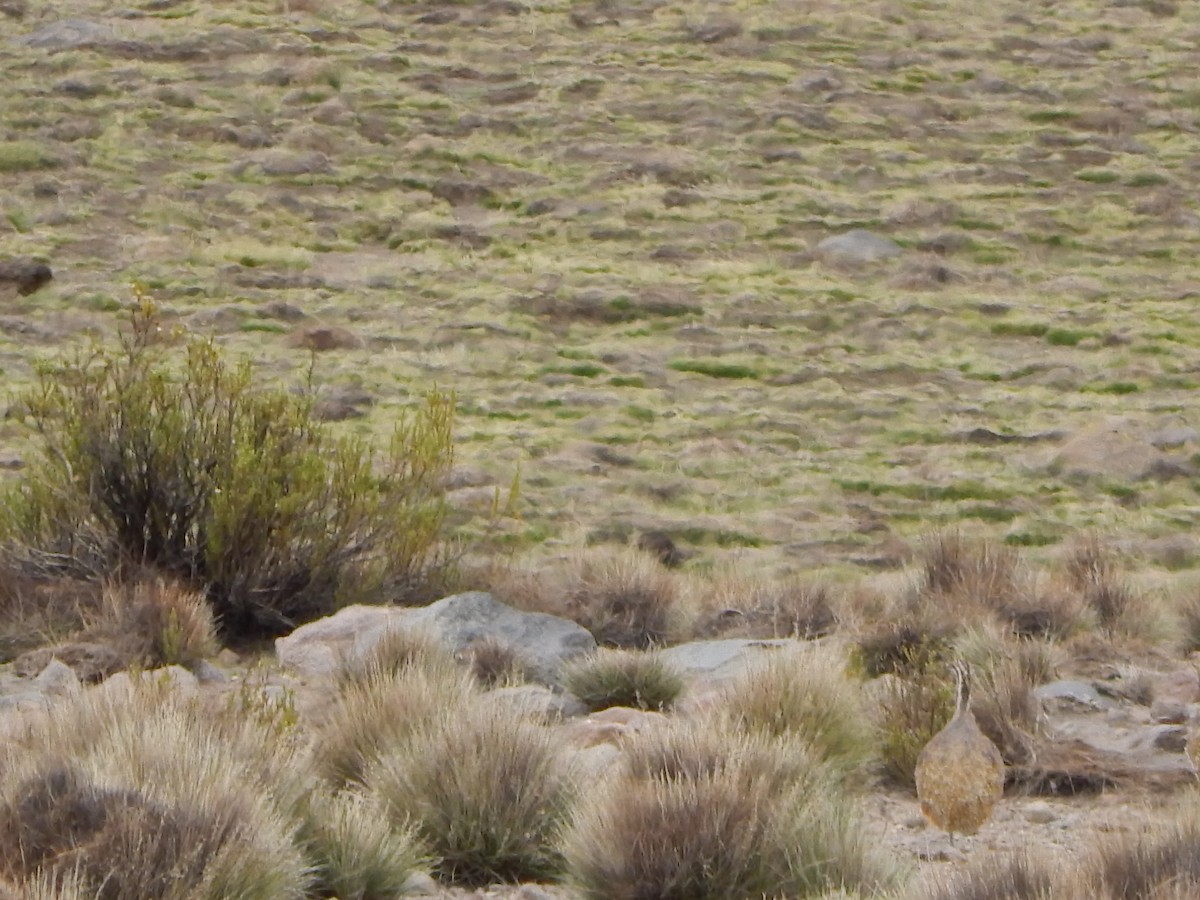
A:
(160, 453)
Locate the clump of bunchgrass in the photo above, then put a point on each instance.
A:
(633, 678)
(737, 604)
(485, 792)
(914, 702)
(1003, 676)
(392, 651)
(139, 794)
(1121, 610)
(493, 662)
(1147, 864)
(1020, 876)
(357, 852)
(624, 596)
(810, 693)
(374, 714)
(155, 621)
(700, 814)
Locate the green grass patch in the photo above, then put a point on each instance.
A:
(1030, 539)
(1118, 387)
(1064, 337)
(640, 413)
(581, 370)
(268, 327)
(634, 381)
(1097, 176)
(1147, 179)
(714, 369)
(963, 490)
(1020, 329)
(720, 537)
(1042, 116)
(989, 513)
(25, 156)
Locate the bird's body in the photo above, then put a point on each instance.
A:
(960, 773)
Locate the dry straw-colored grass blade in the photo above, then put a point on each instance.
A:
(960, 773)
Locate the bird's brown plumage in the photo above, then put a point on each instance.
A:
(960, 773)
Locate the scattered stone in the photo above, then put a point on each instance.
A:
(726, 658)
(1039, 812)
(542, 642)
(1071, 695)
(1169, 738)
(23, 276)
(857, 246)
(90, 661)
(1180, 686)
(1168, 712)
(57, 679)
(319, 647)
(68, 34)
(611, 726)
(323, 338)
(539, 702)
(1113, 448)
(207, 673)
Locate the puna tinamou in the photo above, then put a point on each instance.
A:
(960, 774)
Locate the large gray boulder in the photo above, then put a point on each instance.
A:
(541, 642)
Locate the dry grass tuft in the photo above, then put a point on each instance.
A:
(911, 709)
(394, 651)
(739, 605)
(1096, 574)
(701, 815)
(36, 612)
(971, 572)
(494, 662)
(808, 693)
(375, 714)
(1163, 862)
(154, 622)
(357, 852)
(625, 597)
(158, 800)
(623, 678)
(1004, 673)
(1020, 876)
(1187, 615)
(484, 791)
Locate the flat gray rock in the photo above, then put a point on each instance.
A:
(68, 34)
(541, 642)
(858, 246)
(1077, 694)
(727, 657)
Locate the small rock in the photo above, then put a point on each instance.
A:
(857, 246)
(1071, 695)
(1168, 712)
(207, 673)
(58, 679)
(1040, 813)
(539, 702)
(67, 34)
(1170, 738)
(1181, 686)
(318, 647)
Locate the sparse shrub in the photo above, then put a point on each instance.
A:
(485, 792)
(170, 457)
(377, 713)
(972, 573)
(623, 678)
(1098, 577)
(895, 648)
(808, 693)
(1047, 610)
(357, 853)
(155, 622)
(37, 611)
(698, 814)
(1019, 876)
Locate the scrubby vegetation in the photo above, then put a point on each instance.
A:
(160, 453)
